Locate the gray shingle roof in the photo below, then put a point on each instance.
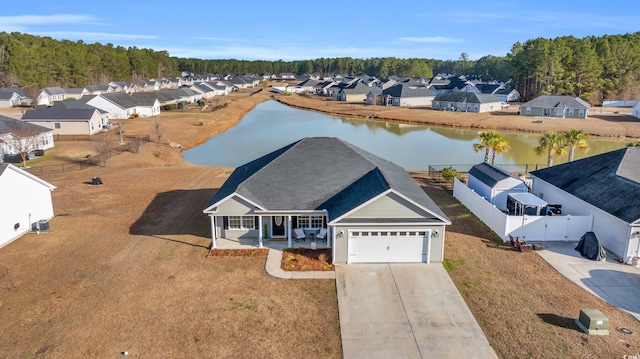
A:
(8, 125)
(489, 174)
(65, 110)
(609, 181)
(468, 97)
(319, 173)
(121, 99)
(404, 90)
(548, 101)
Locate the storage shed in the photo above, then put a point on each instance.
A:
(494, 184)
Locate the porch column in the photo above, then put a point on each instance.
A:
(289, 244)
(260, 231)
(213, 231)
(329, 234)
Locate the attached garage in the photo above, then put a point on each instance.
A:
(375, 246)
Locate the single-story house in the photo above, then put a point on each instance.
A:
(163, 97)
(372, 210)
(406, 95)
(10, 97)
(68, 118)
(508, 95)
(606, 186)
(494, 184)
(26, 201)
(119, 105)
(22, 137)
(354, 92)
(466, 102)
(555, 106)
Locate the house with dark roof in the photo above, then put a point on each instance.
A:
(407, 95)
(68, 118)
(356, 91)
(10, 97)
(555, 106)
(494, 184)
(466, 102)
(18, 136)
(30, 199)
(370, 209)
(606, 186)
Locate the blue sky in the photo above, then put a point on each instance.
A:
(297, 30)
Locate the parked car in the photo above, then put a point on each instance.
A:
(505, 105)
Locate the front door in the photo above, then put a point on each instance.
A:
(278, 227)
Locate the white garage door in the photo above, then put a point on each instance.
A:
(375, 246)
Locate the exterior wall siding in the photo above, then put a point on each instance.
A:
(340, 245)
(30, 202)
(390, 206)
(235, 207)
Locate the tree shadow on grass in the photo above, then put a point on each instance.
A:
(559, 321)
(177, 212)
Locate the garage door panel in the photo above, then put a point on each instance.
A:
(388, 247)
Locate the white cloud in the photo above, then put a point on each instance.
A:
(21, 22)
(431, 40)
(88, 36)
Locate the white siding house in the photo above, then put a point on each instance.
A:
(606, 186)
(26, 199)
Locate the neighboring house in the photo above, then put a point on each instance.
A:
(49, 95)
(101, 88)
(306, 87)
(508, 95)
(19, 136)
(372, 209)
(204, 88)
(354, 92)
(407, 95)
(374, 97)
(606, 186)
(466, 102)
(494, 184)
(26, 201)
(10, 97)
(555, 106)
(68, 118)
(117, 105)
(151, 85)
(287, 76)
(75, 93)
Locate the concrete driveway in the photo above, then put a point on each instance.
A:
(615, 283)
(405, 311)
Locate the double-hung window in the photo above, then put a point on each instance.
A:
(241, 222)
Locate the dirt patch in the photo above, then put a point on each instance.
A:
(304, 259)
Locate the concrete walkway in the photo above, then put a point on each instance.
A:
(615, 283)
(405, 311)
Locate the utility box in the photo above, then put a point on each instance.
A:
(592, 321)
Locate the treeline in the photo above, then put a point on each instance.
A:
(380, 67)
(593, 68)
(27, 60)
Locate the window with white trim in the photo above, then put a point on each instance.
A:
(241, 222)
(316, 221)
(303, 222)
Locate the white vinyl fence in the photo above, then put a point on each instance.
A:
(529, 228)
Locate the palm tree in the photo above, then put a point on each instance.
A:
(498, 144)
(635, 143)
(485, 137)
(575, 139)
(553, 144)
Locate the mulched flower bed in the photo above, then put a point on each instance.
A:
(304, 259)
(258, 252)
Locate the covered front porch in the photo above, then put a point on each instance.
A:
(272, 229)
(247, 243)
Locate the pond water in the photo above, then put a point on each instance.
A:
(272, 125)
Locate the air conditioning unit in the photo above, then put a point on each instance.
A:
(42, 226)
